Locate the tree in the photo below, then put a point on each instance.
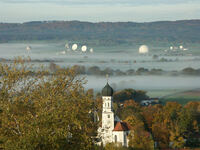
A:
(113, 146)
(135, 122)
(176, 139)
(41, 111)
(161, 135)
(53, 67)
(140, 139)
(127, 94)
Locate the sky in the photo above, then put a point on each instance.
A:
(98, 10)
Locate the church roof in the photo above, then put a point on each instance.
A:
(107, 90)
(122, 126)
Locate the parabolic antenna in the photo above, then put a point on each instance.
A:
(67, 46)
(74, 47)
(84, 48)
(28, 48)
(91, 50)
(181, 47)
(143, 49)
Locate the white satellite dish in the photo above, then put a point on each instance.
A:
(74, 47)
(84, 48)
(171, 47)
(67, 46)
(28, 48)
(91, 50)
(143, 49)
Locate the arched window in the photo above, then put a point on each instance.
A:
(108, 104)
(115, 138)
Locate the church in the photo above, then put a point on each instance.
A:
(112, 129)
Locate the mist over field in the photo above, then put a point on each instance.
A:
(118, 59)
(145, 82)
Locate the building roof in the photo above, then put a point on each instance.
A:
(107, 90)
(122, 126)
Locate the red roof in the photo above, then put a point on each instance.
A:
(122, 126)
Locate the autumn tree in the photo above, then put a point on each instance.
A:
(128, 108)
(141, 139)
(126, 94)
(42, 111)
(176, 138)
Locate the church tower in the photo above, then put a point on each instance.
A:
(107, 113)
(112, 129)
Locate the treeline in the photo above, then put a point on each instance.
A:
(95, 70)
(103, 33)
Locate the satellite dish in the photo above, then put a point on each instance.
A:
(67, 46)
(28, 48)
(181, 47)
(143, 49)
(84, 48)
(74, 47)
(91, 50)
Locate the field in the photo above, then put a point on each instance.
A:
(183, 97)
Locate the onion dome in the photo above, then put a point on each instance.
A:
(107, 90)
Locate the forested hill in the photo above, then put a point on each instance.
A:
(104, 32)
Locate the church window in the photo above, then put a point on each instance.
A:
(108, 116)
(125, 141)
(108, 104)
(115, 138)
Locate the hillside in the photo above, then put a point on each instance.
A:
(106, 33)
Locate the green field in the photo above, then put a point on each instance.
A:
(178, 96)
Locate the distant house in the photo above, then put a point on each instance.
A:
(151, 101)
(112, 130)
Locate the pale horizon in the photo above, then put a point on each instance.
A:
(19, 11)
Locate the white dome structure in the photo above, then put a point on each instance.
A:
(67, 46)
(91, 50)
(84, 48)
(28, 48)
(143, 49)
(74, 47)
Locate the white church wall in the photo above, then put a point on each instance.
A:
(120, 137)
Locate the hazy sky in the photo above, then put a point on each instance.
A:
(98, 10)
